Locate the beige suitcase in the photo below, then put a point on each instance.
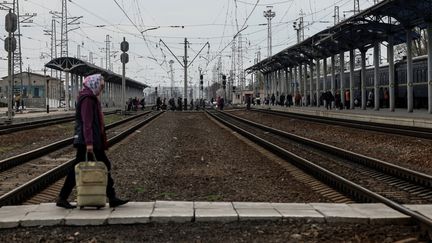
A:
(91, 181)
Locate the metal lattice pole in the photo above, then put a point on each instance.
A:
(336, 15)
(107, 53)
(171, 62)
(64, 52)
(269, 14)
(240, 63)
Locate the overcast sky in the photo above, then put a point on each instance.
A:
(200, 21)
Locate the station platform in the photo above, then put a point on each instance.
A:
(37, 114)
(48, 214)
(33, 114)
(418, 118)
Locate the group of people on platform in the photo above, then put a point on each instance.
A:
(161, 104)
(327, 99)
(133, 104)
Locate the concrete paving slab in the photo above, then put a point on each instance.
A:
(132, 213)
(174, 204)
(215, 211)
(258, 214)
(339, 212)
(379, 213)
(298, 211)
(144, 212)
(172, 214)
(44, 207)
(216, 205)
(18, 208)
(426, 209)
(252, 205)
(11, 216)
(91, 216)
(48, 215)
(216, 215)
(292, 206)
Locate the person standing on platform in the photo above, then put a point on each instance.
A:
(142, 102)
(273, 98)
(338, 102)
(221, 103)
(386, 98)
(282, 99)
(179, 104)
(17, 102)
(89, 138)
(248, 102)
(370, 99)
(347, 99)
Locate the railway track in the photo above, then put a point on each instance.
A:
(417, 132)
(33, 154)
(23, 178)
(7, 129)
(361, 178)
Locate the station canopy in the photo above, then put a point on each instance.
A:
(385, 20)
(82, 68)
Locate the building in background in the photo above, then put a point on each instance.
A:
(34, 89)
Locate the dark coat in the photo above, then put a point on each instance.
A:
(89, 125)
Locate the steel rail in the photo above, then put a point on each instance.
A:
(345, 186)
(380, 165)
(6, 129)
(411, 131)
(36, 153)
(39, 183)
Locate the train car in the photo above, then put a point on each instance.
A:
(420, 83)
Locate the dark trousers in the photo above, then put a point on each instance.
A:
(328, 104)
(80, 156)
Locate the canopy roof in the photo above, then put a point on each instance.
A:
(83, 68)
(389, 18)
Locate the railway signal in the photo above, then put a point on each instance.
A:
(124, 58)
(11, 25)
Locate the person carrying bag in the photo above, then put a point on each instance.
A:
(90, 138)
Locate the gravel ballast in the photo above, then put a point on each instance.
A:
(410, 152)
(188, 157)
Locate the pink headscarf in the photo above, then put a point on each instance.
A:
(93, 82)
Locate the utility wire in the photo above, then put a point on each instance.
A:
(127, 16)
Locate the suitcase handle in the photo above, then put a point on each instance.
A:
(86, 156)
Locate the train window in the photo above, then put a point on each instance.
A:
(418, 76)
(36, 92)
(383, 80)
(402, 76)
(424, 76)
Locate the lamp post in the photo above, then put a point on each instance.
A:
(269, 15)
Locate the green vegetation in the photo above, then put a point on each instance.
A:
(113, 118)
(167, 195)
(6, 149)
(213, 198)
(140, 189)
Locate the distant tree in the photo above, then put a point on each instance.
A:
(419, 46)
